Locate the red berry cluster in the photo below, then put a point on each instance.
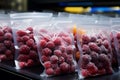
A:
(7, 49)
(97, 55)
(27, 55)
(56, 53)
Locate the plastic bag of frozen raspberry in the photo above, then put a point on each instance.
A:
(56, 49)
(95, 50)
(116, 36)
(6, 39)
(25, 45)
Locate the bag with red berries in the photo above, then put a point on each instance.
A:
(116, 36)
(7, 49)
(56, 48)
(95, 50)
(25, 45)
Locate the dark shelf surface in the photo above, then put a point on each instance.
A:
(33, 73)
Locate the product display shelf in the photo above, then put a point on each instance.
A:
(33, 73)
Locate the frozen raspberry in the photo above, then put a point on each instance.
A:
(94, 47)
(54, 66)
(95, 57)
(7, 43)
(63, 34)
(101, 71)
(49, 71)
(7, 29)
(22, 57)
(57, 53)
(33, 54)
(64, 55)
(8, 53)
(67, 39)
(22, 64)
(19, 39)
(24, 49)
(64, 67)
(21, 33)
(46, 51)
(47, 64)
(109, 70)
(1, 38)
(118, 35)
(30, 62)
(57, 71)
(106, 43)
(46, 37)
(85, 39)
(34, 47)
(69, 49)
(30, 29)
(62, 48)
(2, 48)
(92, 68)
(103, 49)
(93, 39)
(86, 49)
(31, 36)
(61, 59)
(8, 36)
(45, 58)
(50, 45)
(72, 69)
(86, 58)
(99, 42)
(30, 42)
(25, 38)
(1, 32)
(85, 73)
(3, 57)
(57, 41)
(54, 59)
(43, 43)
(69, 59)
(21, 43)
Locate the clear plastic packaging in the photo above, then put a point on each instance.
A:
(95, 49)
(25, 45)
(56, 48)
(7, 49)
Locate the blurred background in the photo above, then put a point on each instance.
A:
(106, 7)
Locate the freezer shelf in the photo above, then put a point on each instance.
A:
(34, 73)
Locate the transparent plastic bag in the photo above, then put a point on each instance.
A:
(7, 49)
(95, 49)
(25, 45)
(56, 49)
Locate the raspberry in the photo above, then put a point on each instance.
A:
(2, 57)
(22, 64)
(64, 67)
(95, 57)
(69, 59)
(19, 39)
(30, 29)
(21, 33)
(44, 58)
(30, 62)
(33, 54)
(102, 71)
(54, 59)
(72, 69)
(118, 35)
(99, 42)
(43, 43)
(24, 49)
(46, 37)
(8, 36)
(85, 39)
(57, 53)
(85, 73)
(23, 58)
(2, 48)
(67, 39)
(94, 47)
(61, 59)
(92, 68)
(8, 53)
(47, 64)
(25, 38)
(57, 71)
(1, 32)
(57, 41)
(62, 48)
(103, 49)
(21, 43)
(34, 47)
(1, 38)
(106, 43)
(63, 34)
(109, 70)
(31, 36)
(50, 45)
(49, 71)
(7, 29)
(86, 58)
(54, 66)
(86, 49)
(69, 49)
(93, 39)
(46, 51)
(7, 43)
(64, 55)
(30, 42)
